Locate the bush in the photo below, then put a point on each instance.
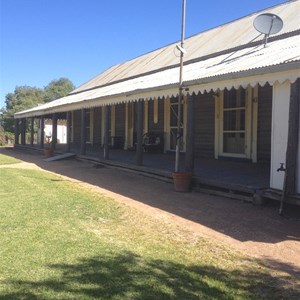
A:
(6, 136)
(9, 136)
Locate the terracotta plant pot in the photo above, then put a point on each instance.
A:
(48, 152)
(182, 181)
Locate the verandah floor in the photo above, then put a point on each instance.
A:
(231, 175)
(206, 170)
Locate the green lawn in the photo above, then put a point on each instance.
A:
(7, 160)
(61, 241)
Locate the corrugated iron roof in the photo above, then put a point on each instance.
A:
(209, 63)
(231, 35)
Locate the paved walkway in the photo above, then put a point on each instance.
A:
(256, 231)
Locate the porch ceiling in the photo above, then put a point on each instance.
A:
(249, 64)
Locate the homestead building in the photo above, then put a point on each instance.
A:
(240, 120)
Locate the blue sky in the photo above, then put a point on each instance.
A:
(42, 40)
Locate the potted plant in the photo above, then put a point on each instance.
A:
(48, 150)
(182, 181)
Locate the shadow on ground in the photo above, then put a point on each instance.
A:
(129, 276)
(235, 219)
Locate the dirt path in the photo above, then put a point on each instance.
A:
(256, 231)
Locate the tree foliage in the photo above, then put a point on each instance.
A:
(26, 97)
(57, 89)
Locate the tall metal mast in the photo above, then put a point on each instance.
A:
(178, 137)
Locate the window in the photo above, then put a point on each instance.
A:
(234, 121)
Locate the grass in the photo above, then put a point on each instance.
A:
(7, 160)
(61, 241)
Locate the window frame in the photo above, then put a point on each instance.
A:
(250, 130)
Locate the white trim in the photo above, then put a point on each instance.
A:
(279, 135)
(94, 98)
(250, 145)
(240, 79)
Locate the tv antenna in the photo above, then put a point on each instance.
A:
(267, 24)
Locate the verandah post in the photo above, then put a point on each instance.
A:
(23, 131)
(190, 135)
(42, 132)
(106, 131)
(17, 131)
(54, 131)
(32, 132)
(83, 132)
(293, 134)
(139, 133)
(68, 148)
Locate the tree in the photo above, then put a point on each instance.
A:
(57, 89)
(24, 97)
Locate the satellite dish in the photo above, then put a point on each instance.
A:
(268, 24)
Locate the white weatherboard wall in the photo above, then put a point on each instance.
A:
(61, 133)
(280, 121)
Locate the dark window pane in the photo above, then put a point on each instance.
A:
(234, 143)
(87, 134)
(229, 98)
(173, 115)
(87, 117)
(234, 120)
(241, 101)
(173, 100)
(234, 98)
(173, 138)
